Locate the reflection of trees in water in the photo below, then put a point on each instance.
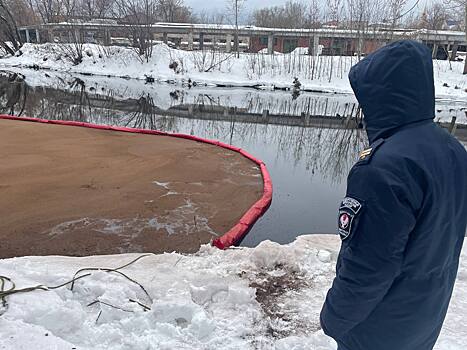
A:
(69, 101)
(280, 103)
(144, 114)
(310, 105)
(329, 152)
(277, 103)
(13, 94)
(18, 98)
(344, 148)
(82, 101)
(324, 151)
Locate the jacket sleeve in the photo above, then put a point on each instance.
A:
(371, 257)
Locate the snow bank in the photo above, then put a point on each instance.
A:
(268, 297)
(316, 73)
(165, 96)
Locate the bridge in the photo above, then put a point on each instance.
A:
(250, 38)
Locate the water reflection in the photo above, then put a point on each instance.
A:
(325, 151)
(307, 149)
(14, 94)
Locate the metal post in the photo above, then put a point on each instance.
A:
(315, 45)
(190, 41)
(201, 41)
(237, 48)
(270, 44)
(455, 46)
(165, 37)
(50, 35)
(77, 38)
(28, 40)
(465, 22)
(435, 50)
(107, 39)
(452, 126)
(38, 37)
(228, 43)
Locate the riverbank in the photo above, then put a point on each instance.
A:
(262, 71)
(17, 84)
(79, 191)
(267, 298)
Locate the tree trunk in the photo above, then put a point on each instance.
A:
(465, 28)
(237, 42)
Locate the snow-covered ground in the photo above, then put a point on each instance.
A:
(268, 297)
(322, 73)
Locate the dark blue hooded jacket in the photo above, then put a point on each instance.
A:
(404, 218)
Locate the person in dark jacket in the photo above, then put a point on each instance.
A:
(403, 221)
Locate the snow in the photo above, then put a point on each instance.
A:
(316, 73)
(165, 96)
(268, 297)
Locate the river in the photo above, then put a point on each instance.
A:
(305, 139)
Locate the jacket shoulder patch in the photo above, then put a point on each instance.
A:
(348, 211)
(366, 155)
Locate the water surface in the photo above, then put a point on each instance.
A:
(308, 159)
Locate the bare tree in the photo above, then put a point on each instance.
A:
(234, 7)
(73, 50)
(48, 9)
(395, 14)
(460, 6)
(334, 10)
(465, 30)
(434, 17)
(173, 11)
(55, 10)
(69, 9)
(361, 14)
(211, 17)
(10, 39)
(96, 8)
(139, 15)
(267, 17)
(314, 15)
(296, 11)
(293, 14)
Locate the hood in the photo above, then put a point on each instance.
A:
(394, 87)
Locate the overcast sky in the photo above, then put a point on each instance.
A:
(220, 5)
